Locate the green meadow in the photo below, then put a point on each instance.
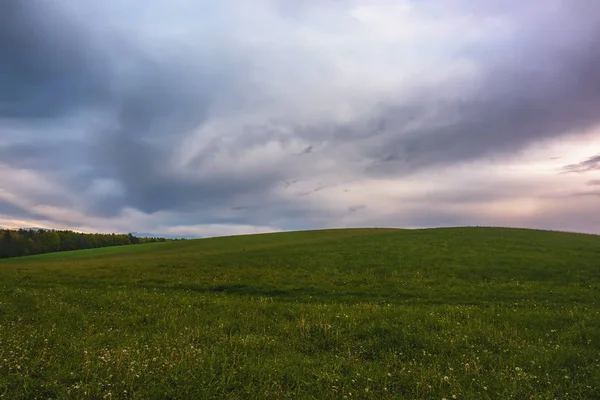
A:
(453, 313)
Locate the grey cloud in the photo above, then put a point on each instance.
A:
(49, 66)
(356, 208)
(555, 95)
(52, 70)
(152, 186)
(531, 93)
(591, 164)
(308, 150)
(15, 211)
(587, 194)
(594, 182)
(7, 208)
(44, 154)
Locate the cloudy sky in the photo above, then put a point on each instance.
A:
(201, 117)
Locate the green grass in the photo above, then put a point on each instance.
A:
(466, 313)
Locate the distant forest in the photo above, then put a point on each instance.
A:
(24, 242)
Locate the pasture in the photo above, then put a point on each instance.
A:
(452, 313)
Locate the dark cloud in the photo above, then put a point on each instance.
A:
(151, 95)
(52, 67)
(49, 65)
(14, 211)
(44, 154)
(591, 164)
(530, 98)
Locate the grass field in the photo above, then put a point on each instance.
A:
(465, 313)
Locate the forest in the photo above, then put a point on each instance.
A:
(24, 242)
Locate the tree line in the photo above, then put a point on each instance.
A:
(24, 242)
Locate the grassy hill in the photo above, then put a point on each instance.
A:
(466, 313)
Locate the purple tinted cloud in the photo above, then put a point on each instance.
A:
(254, 100)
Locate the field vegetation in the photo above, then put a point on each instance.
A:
(456, 313)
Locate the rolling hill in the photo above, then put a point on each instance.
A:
(359, 313)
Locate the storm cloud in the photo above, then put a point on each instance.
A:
(49, 66)
(287, 116)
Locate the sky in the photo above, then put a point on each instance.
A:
(203, 118)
